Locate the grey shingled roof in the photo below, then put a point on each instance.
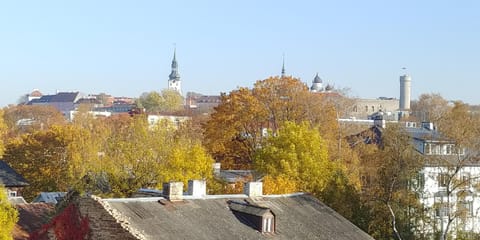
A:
(298, 216)
(424, 134)
(9, 177)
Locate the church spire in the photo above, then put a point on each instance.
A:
(174, 78)
(174, 74)
(283, 66)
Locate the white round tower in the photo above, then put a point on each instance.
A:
(405, 88)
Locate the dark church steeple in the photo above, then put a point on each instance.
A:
(283, 66)
(174, 74)
(174, 78)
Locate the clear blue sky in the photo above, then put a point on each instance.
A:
(125, 48)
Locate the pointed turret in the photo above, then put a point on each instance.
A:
(174, 77)
(174, 74)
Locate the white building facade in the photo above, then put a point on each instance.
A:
(448, 185)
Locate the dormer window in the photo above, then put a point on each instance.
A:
(259, 218)
(12, 193)
(267, 224)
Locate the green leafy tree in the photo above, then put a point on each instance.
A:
(151, 101)
(8, 215)
(172, 100)
(165, 101)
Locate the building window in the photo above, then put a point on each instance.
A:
(436, 150)
(442, 210)
(432, 149)
(355, 108)
(12, 193)
(418, 182)
(366, 108)
(428, 148)
(373, 109)
(449, 149)
(267, 225)
(443, 180)
(465, 208)
(365, 180)
(460, 151)
(465, 180)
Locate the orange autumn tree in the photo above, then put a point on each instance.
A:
(239, 124)
(22, 119)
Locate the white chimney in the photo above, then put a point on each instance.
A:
(253, 189)
(173, 191)
(197, 188)
(216, 168)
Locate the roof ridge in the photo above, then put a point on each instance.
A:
(120, 218)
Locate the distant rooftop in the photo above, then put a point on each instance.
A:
(9, 177)
(297, 216)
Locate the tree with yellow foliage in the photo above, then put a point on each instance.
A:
(8, 216)
(142, 156)
(298, 154)
(42, 158)
(22, 119)
(3, 131)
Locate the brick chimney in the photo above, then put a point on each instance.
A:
(253, 189)
(173, 191)
(197, 188)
